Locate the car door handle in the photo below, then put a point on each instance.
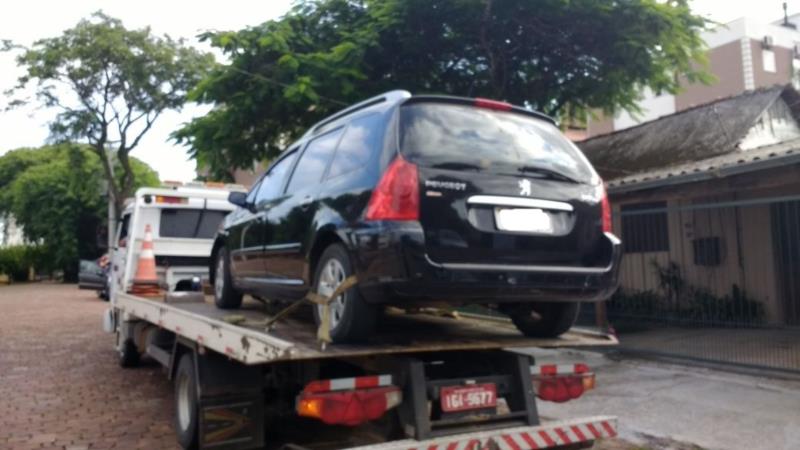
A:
(306, 201)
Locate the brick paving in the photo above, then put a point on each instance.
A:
(60, 384)
(62, 388)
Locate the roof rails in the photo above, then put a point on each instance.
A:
(391, 96)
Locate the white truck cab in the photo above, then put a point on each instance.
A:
(184, 218)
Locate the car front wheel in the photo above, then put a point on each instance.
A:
(225, 296)
(544, 319)
(350, 317)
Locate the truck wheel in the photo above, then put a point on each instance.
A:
(186, 402)
(129, 354)
(351, 318)
(544, 319)
(225, 296)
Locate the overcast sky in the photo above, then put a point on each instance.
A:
(29, 20)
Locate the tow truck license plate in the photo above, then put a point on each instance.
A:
(461, 398)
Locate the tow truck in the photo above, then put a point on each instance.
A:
(428, 379)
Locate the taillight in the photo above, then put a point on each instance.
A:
(561, 383)
(606, 210)
(493, 104)
(171, 200)
(350, 406)
(396, 197)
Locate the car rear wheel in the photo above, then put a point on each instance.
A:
(544, 319)
(350, 318)
(225, 296)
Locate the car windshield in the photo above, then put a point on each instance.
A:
(465, 137)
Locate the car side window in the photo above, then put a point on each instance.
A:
(314, 160)
(251, 196)
(122, 231)
(360, 139)
(272, 183)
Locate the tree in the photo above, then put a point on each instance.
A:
(110, 85)
(56, 193)
(556, 56)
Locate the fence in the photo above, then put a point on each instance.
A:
(716, 279)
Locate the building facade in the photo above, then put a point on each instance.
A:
(743, 55)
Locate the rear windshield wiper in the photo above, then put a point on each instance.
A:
(457, 166)
(547, 173)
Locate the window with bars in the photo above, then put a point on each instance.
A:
(644, 227)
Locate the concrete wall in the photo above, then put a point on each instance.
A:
(726, 63)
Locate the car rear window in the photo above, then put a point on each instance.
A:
(190, 223)
(495, 141)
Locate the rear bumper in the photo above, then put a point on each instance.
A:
(393, 268)
(550, 435)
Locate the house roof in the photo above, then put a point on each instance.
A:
(740, 161)
(696, 134)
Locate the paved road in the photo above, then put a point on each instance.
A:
(60, 385)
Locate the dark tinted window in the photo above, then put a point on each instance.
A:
(123, 229)
(190, 223)
(312, 164)
(644, 227)
(361, 138)
(494, 141)
(272, 184)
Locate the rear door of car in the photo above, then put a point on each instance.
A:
(291, 218)
(500, 188)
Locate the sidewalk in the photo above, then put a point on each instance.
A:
(707, 408)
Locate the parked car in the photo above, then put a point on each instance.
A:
(92, 275)
(427, 200)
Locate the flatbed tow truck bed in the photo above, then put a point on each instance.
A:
(295, 339)
(243, 374)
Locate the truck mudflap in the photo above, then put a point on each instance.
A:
(548, 435)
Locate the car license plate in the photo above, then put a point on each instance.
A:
(461, 398)
(529, 220)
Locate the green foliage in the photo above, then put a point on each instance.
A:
(557, 56)
(16, 260)
(56, 193)
(109, 84)
(680, 301)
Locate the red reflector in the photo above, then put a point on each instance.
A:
(606, 210)
(549, 369)
(396, 197)
(581, 368)
(492, 104)
(560, 389)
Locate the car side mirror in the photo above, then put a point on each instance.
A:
(239, 199)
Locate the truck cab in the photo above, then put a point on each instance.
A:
(184, 218)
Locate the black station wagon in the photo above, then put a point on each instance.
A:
(428, 201)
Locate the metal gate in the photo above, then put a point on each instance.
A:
(715, 279)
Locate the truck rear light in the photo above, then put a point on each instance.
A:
(492, 104)
(171, 200)
(561, 383)
(332, 402)
(396, 197)
(606, 209)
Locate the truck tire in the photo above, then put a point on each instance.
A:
(352, 318)
(544, 319)
(129, 354)
(186, 402)
(225, 296)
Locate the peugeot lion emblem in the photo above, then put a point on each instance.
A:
(525, 187)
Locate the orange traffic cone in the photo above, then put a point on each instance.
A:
(146, 281)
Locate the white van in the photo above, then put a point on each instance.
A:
(184, 219)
